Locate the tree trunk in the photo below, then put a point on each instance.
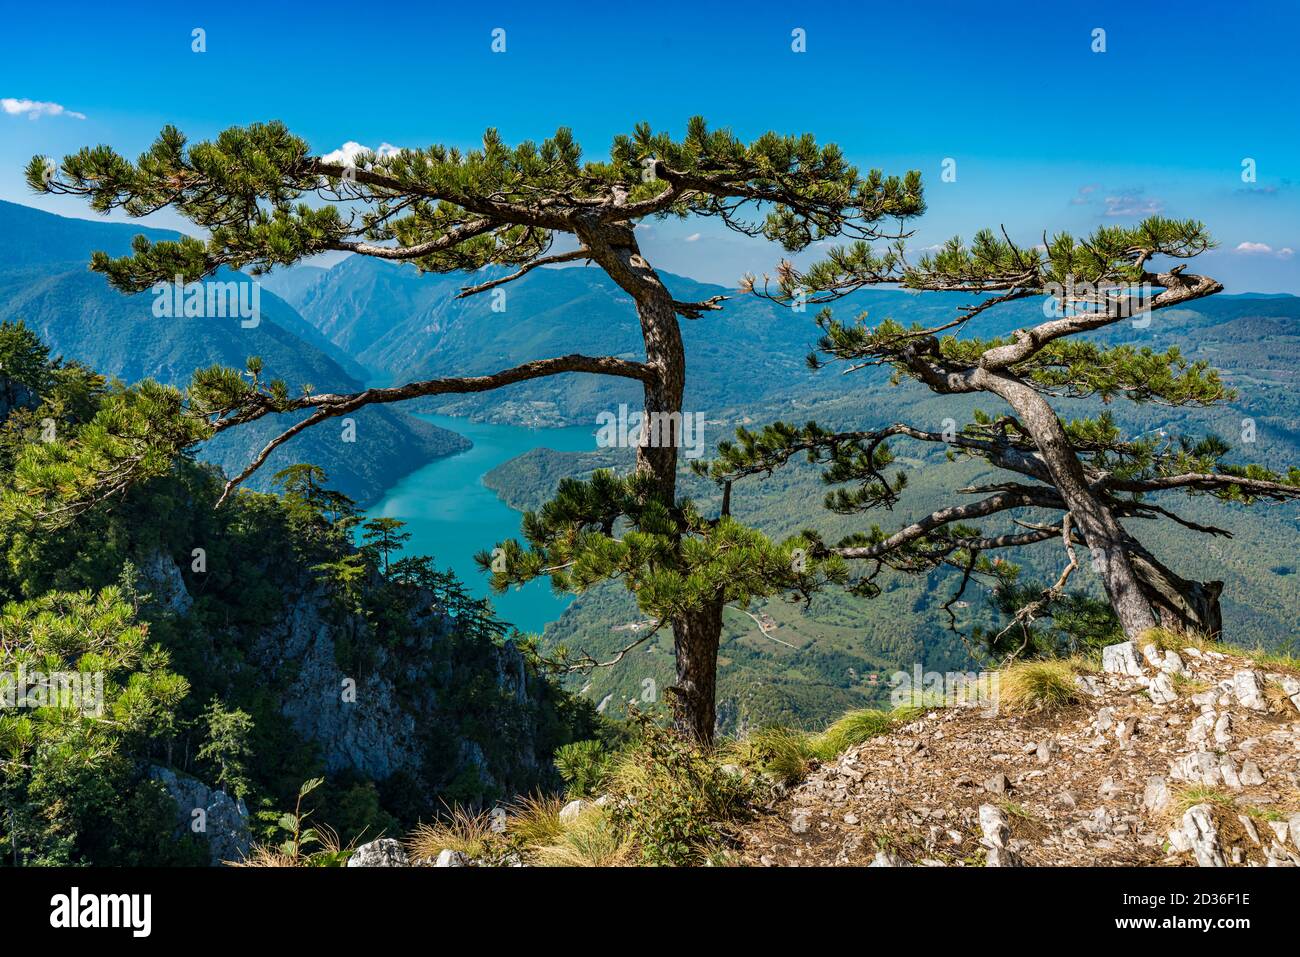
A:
(1180, 604)
(696, 632)
(694, 698)
(1106, 539)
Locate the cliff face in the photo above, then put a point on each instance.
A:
(397, 712)
(450, 715)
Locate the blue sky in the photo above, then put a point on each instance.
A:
(1046, 134)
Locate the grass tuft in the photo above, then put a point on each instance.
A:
(459, 830)
(535, 820)
(590, 841)
(1038, 686)
(1169, 639)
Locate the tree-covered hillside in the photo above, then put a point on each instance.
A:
(252, 647)
(44, 283)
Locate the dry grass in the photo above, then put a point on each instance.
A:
(535, 820)
(1279, 702)
(589, 841)
(786, 753)
(1274, 660)
(1168, 639)
(459, 830)
(1039, 687)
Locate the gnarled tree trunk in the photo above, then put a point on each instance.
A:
(696, 632)
(1180, 604)
(1107, 541)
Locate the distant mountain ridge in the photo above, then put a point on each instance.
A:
(401, 325)
(44, 281)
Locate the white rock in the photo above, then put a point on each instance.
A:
(1178, 840)
(1001, 857)
(1152, 654)
(1162, 689)
(1199, 829)
(571, 811)
(1173, 664)
(993, 823)
(1200, 767)
(1156, 796)
(384, 852)
(1223, 729)
(1249, 689)
(1198, 735)
(1228, 771)
(450, 858)
(887, 859)
(1251, 775)
(1291, 686)
(1121, 659)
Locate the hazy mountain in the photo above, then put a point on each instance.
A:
(44, 281)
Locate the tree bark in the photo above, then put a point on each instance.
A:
(694, 697)
(696, 632)
(1180, 604)
(1107, 541)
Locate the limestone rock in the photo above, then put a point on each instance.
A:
(1203, 836)
(1156, 796)
(1162, 689)
(1121, 659)
(208, 812)
(384, 852)
(1249, 689)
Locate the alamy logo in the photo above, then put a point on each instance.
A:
(179, 299)
(67, 690)
(944, 689)
(654, 430)
(133, 911)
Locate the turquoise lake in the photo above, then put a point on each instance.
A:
(452, 515)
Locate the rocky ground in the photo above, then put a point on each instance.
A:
(1174, 757)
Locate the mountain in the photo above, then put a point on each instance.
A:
(401, 325)
(44, 282)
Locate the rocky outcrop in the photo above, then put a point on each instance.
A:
(208, 813)
(384, 852)
(1170, 757)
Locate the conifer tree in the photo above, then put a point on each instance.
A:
(443, 209)
(1085, 470)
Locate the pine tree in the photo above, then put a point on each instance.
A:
(444, 210)
(383, 536)
(1085, 470)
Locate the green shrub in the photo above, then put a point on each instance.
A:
(674, 802)
(585, 767)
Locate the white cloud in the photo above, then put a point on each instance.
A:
(349, 151)
(1264, 249)
(693, 237)
(33, 109)
(1082, 198)
(1131, 202)
(1254, 248)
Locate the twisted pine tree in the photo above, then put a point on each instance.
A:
(444, 210)
(1085, 471)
